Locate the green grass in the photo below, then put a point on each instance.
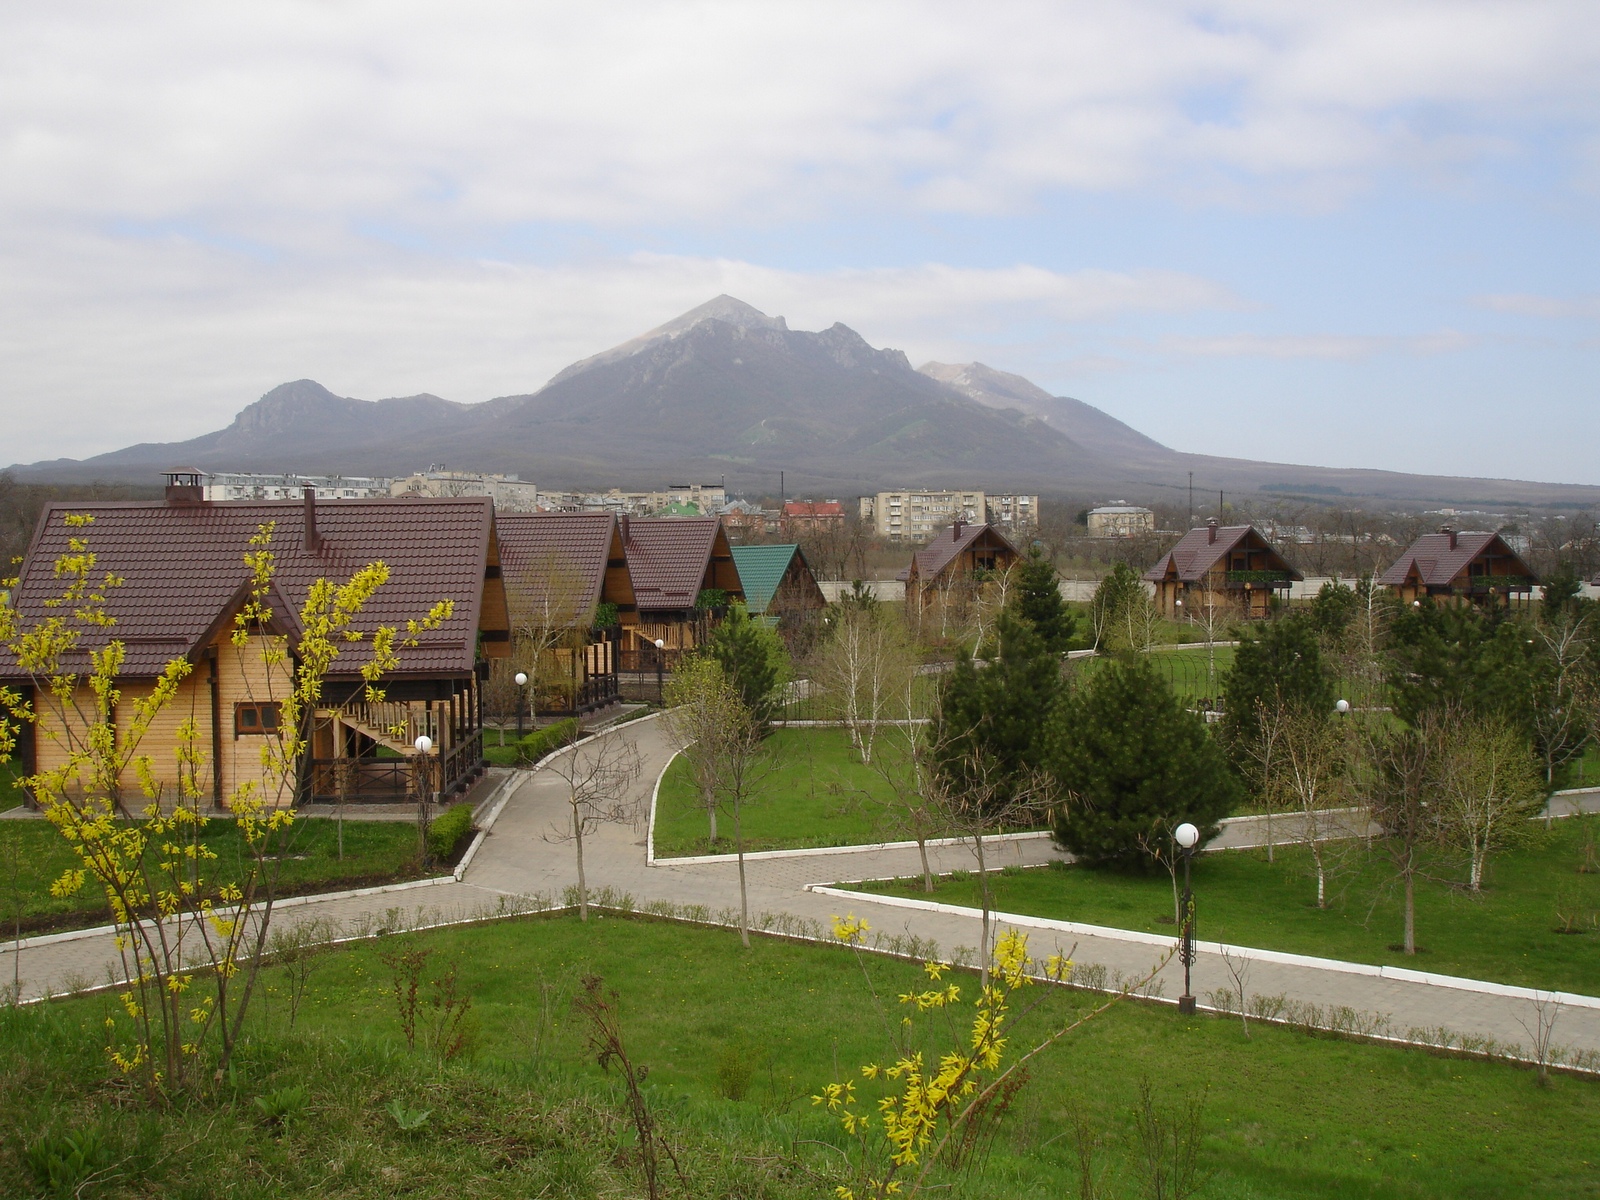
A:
(1284, 1115)
(10, 772)
(1505, 934)
(818, 794)
(1188, 671)
(33, 855)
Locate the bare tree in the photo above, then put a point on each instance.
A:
(1562, 695)
(1398, 768)
(910, 766)
(1488, 787)
(1314, 771)
(976, 799)
(1212, 611)
(699, 707)
(861, 667)
(726, 754)
(1264, 770)
(599, 774)
(551, 610)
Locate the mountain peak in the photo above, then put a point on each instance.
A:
(730, 310)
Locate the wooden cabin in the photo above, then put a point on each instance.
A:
(780, 588)
(1460, 567)
(1220, 564)
(572, 607)
(960, 556)
(183, 580)
(683, 579)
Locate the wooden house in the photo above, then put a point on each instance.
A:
(572, 607)
(183, 580)
(962, 555)
(1231, 565)
(1475, 567)
(780, 588)
(683, 578)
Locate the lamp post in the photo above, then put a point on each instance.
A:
(1186, 835)
(522, 700)
(424, 746)
(661, 659)
(1342, 707)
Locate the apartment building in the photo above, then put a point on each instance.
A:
(916, 515)
(246, 485)
(1017, 515)
(507, 491)
(1120, 521)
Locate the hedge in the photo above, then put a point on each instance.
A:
(447, 829)
(540, 742)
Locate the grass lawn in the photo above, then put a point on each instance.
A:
(9, 797)
(528, 1113)
(33, 855)
(1505, 934)
(818, 794)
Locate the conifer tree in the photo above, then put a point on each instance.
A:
(1039, 602)
(1132, 764)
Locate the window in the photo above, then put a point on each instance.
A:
(255, 718)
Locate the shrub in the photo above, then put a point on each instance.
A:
(540, 742)
(447, 829)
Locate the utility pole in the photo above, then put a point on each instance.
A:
(1219, 506)
(1191, 500)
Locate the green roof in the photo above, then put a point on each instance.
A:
(679, 508)
(761, 570)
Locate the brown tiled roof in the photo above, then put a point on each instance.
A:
(183, 570)
(667, 558)
(937, 554)
(1437, 563)
(1196, 554)
(568, 550)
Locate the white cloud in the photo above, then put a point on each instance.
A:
(1523, 304)
(289, 122)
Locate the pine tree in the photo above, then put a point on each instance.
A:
(1133, 764)
(753, 658)
(1281, 666)
(1039, 602)
(1002, 708)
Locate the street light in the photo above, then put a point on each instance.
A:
(1342, 707)
(424, 746)
(522, 700)
(1186, 835)
(661, 656)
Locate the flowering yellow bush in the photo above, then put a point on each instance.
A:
(173, 923)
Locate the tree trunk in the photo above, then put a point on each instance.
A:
(983, 892)
(1478, 852)
(927, 874)
(744, 900)
(711, 811)
(583, 885)
(1411, 912)
(1269, 833)
(1322, 876)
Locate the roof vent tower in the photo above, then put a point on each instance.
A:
(185, 487)
(1211, 530)
(313, 540)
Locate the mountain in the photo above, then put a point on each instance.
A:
(725, 390)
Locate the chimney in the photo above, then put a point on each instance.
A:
(1211, 530)
(1449, 532)
(955, 531)
(313, 538)
(622, 523)
(184, 487)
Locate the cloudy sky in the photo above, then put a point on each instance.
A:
(1353, 234)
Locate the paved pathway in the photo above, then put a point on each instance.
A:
(526, 853)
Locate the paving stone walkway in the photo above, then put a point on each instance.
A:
(526, 853)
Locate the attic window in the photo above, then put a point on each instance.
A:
(255, 718)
